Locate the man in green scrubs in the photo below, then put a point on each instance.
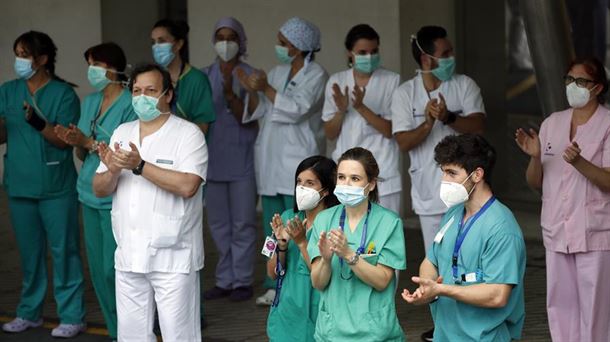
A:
(473, 274)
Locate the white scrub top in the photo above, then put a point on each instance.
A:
(156, 230)
(288, 127)
(463, 97)
(357, 132)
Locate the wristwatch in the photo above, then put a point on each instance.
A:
(353, 260)
(138, 170)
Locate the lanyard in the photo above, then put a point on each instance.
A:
(360, 249)
(281, 272)
(462, 235)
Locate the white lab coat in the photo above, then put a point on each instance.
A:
(288, 127)
(155, 230)
(357, 132)
(462, 96)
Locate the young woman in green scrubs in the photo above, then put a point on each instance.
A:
(192, 91)
(295, 307)
(101, 113)
(354, 249)
(40, 181)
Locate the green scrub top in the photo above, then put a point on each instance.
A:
(494, 246)
(33, 167)
(194, 97)
(120, 111)
(351, 310)
(294, 319)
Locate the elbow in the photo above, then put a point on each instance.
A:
(188, 189)
(317, 285)
(387, 134)
(499, 301)
(403, 146)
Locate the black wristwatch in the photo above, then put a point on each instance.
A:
(138, 170)
(451, 117)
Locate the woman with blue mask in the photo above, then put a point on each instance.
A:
(101, 113)
(40, 180)
(357, 110)
(288, 103)
(192, 91)
(231, 183)
(355, 249)
(295, 308)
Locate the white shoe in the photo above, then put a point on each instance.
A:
(68, 330)
(19, 324)
(267, 298)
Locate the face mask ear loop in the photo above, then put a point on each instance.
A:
(475, 184)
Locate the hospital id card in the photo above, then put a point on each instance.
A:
(269, 247)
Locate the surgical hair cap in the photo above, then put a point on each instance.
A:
(235, 25)
(304, 35)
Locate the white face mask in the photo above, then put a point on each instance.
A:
(226, 49)
(577, 97)
(455, 193)
(307, 198)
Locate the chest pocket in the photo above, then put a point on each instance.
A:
(168, 211)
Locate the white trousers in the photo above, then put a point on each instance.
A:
(391, 201)
(176, 296)
(429, 228)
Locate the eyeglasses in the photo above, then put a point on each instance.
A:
(581, 82)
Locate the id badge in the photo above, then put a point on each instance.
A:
(269, 247)
(441, 233)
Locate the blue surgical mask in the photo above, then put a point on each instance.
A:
(367, 63)
(445, 69)
(146, 107)
(281, 52)
(163, 54)
(350, 196)
(97, 77)
(23, 68)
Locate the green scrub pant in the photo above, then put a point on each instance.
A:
(37, 222)
(273, 205)
(100, 245)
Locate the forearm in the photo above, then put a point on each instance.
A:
(474, 123)
(104, 184)
(320, 273)
(270, 92)
(533, 174)
(598, 176)
(179, 183)
(382, 125)
(481, 295)
(428, 270)
(304, 254)
(236, 106)
(408, 140)
(252, 102)
(49, 134)
(378, 276)
(272, 263)
(332, 128)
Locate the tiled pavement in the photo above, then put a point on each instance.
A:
(245, 321)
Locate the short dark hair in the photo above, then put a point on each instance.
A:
(368, 162)
(425, 38)
(469, 151)
(595, 68)
(178, 29)
(360, 31)
(140, 69)
(111, 54)
(326, 171)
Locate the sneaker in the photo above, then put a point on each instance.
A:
(267, 298)
(428, 335)
(216, 292)
(68, 330)
(240, 294)
(19, 324)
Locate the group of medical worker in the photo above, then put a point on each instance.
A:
(149, 140)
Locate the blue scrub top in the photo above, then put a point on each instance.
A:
(494, 246)
(33, 167)
(120, 111)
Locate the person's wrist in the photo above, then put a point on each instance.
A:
(450, 118)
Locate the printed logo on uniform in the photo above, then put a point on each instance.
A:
(548, 150)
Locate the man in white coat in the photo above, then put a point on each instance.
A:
(154, 169)
(425, 109)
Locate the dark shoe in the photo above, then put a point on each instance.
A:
(241, 294)
(216, 292)
(428, 335)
